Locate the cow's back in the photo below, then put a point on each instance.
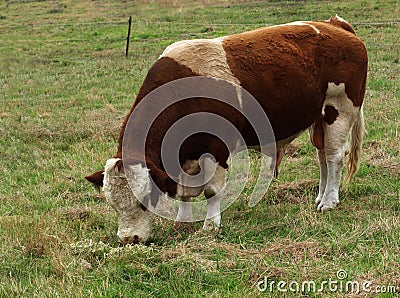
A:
(287, 69)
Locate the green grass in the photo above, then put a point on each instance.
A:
(65, 87)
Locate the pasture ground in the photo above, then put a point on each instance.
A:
(65, 87)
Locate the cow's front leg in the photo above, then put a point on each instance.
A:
(184, 218)
(185, 213)
(213, 218)
(212, 192)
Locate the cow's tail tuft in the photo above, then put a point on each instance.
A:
(356, 137)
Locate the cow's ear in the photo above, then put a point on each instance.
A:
(96, 178)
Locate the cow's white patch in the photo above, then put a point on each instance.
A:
(335, 140)
(335, 92)
(299, 23)
(205, 57)
(134, 222)
(139, 180)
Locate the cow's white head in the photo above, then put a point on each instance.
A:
(135, 220)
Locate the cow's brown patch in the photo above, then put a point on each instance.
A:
(275, 65)
(288, 68)
(164, 70)
(331, 114)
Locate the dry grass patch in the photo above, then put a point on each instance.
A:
(294, 192)
(81, 213)
(377, 156)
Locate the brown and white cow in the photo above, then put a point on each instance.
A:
(305, 75)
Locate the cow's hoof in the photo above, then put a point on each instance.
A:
(322, 207)
(210, 225)
(317, 201)
(325, 206)
(327, 202)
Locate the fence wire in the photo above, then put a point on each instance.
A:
(138, 43)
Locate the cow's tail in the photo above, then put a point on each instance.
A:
(356, 137)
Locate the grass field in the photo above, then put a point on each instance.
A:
(65, 87)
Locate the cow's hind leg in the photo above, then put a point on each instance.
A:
(339, 114)
(323, 175)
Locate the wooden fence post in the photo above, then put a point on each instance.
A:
(129, 36)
